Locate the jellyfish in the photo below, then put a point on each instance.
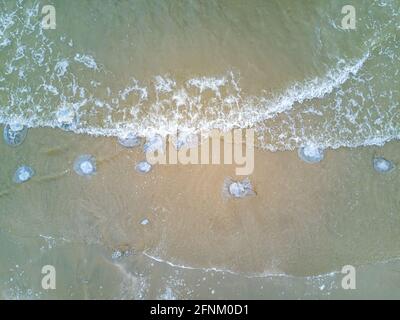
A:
(85, 165)
(66, 117)
(117, 254)
(129, 140)
(311, 154)
(185, 140)
(153, 144)
(121, 253)
(14, 134)
(382, 165)
(238, 189)
(23, 174)
(143, 167)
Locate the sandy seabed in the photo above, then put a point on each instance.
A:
(305, 223)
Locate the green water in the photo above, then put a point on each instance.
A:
(287, 69)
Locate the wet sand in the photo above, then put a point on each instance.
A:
(306, 219)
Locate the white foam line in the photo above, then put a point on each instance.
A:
(116, 132)
(311, 89)
(215, 269)
(245, 113)
(86, 60)
(264, 274)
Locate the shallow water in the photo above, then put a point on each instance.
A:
(305, 222)
(283, 68)
(286, 69)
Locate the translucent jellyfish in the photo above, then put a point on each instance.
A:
(14, 134)
(143, 167)
(153, 144)
(116, 255)
(238, 189)
(23, 174)
(311, 154)
(129, 140)
(179, 143)
(85, 165)
(382, 165)
(185, 140)
(66, 117)
(121, 253)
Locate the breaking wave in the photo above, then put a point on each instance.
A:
(42, 78)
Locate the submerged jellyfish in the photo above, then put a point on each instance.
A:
(121, 253)
(143, 167)
(186, 140)
(382, 165)
(116, 255)
(23, 174)
(311, 154)
(14, 134)
(66, 117)
(85, 165)
(129, 140)
(153, 144)
(180, 143)
(238, 189)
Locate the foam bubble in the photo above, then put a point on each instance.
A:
(210, 83)
(164, 84)
(135, 87)
(61, 67)
(86, 60)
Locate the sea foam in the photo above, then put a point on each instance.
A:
(165, 105)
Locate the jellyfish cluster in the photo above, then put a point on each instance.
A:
(14, 135)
